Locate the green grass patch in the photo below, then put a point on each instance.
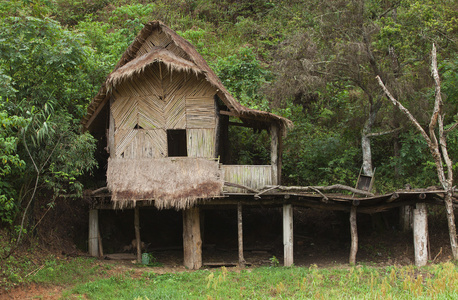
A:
(360, 282)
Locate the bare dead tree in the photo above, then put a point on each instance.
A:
(437, 146)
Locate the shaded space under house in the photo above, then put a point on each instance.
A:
(162, 122)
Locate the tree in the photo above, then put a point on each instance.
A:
(436, 138)
(47, 67)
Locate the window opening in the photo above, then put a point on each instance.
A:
(176, 142)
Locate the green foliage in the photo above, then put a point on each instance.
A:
(243, 75)
(11, 165)
(48, 69)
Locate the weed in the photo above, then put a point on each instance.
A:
(274, 262)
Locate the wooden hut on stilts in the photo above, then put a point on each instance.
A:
(162, 116)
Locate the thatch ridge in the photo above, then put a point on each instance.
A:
(158, 54)
(201, 64)
(170, 182)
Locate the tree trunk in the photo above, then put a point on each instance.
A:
(451, 222)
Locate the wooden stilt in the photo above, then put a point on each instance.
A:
(405, 213)
(192, 243)
(240, 235)
(420, 234)
(137, 233)
(354, 235)
(99, 239)
(93, 240)
(288, 235)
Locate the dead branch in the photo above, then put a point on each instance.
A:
(240, 186)
(383, 132)
(322, 188)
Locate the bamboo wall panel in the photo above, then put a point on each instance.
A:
(255, 177)
(140, 143)
(174, 112)
(201, 142)
(151, 112)
(200, 112)
(125, 111)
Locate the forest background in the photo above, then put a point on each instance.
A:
(314, 62)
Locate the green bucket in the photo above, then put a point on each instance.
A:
(145, 258)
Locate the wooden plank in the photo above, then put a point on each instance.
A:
(288, 238)
(93, 233)
(240, 235)
(201, 142)
(420, 234)
(192, 243)
(253, 176)
(354, 235)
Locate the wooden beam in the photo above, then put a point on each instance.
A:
(354, 235)
(137, 233)
(420, 234)
(192, 243)
(228, 113)
(97, 111)
(240, 235)
(93, 240)
(288, 242)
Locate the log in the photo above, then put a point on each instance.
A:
(288, 235)
(321, 188)
(192, 243)
(354, 235)
(137, 233)
(240, 234)
(93, 240)
(420, 234)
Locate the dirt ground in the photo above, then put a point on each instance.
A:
(320, 238)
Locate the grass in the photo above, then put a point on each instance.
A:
(84, 278)
(358, 282)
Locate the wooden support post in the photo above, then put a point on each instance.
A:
(100, 242)
(240, 235)
(274, 153)
(93, 240)
(192, 243)
(288, 235)
(137, 233)
(420, 234)
(354, 235)
(405, 218)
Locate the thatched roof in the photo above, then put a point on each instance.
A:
(171, 183)
(158, 54)
(129, 64)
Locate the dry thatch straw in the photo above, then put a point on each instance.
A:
(169, 182)
(158, 54)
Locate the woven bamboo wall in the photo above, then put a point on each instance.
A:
(255, 177)
(148, 104)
